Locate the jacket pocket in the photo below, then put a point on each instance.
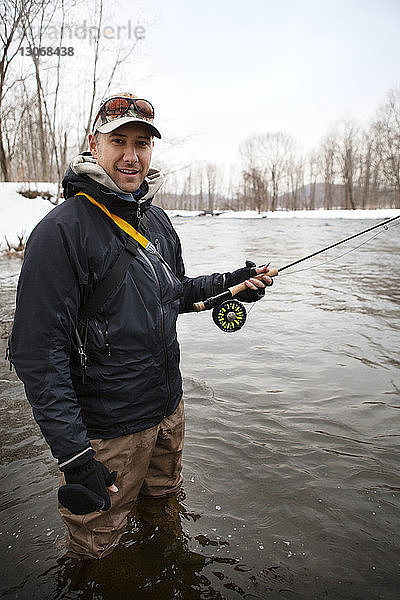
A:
(175, 288)
(98, 338)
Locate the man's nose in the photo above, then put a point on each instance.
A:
(130, 154)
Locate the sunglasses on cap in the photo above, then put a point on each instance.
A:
(122, 106)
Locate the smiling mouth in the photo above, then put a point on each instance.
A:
(128, 171)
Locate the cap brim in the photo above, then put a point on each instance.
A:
(108, 127)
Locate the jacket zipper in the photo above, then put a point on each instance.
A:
(162, 331)
(104, 336)
(168, 271)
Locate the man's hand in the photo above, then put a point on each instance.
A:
(88, 488)
(255, 288)
(258, 284)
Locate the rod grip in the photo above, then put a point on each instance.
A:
(241, 287)
(232, 291)
(199, 306)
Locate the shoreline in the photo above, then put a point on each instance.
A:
(19, 214)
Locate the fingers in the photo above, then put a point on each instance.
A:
(267, 280)
(263, 269)
(253, 284)
(110, 481)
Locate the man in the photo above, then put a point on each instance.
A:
(104, 380)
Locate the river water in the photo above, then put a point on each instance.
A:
(291, 464)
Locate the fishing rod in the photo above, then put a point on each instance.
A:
(230, 315)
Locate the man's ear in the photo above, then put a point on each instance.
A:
(93, 145)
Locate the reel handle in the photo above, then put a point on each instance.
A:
(241, 287)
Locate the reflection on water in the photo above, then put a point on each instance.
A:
(291, 457)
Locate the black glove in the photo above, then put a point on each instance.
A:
(86, 489)
(241, 275)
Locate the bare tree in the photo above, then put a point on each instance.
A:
(211, 178)
(255, 189)
(43, 18)
(366, 167)
(121, 56)
(278, 151)
(266, 160)
(94, 76)
(33, 127)
(387, 127)
(313, 170)
(348, 158)
(295, 182)
(33, 115)
(327, 164)
(13, 15)
(255, 186)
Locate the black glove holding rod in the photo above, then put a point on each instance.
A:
(241, 275)
(86, 487)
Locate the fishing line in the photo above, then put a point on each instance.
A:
(384, 228)
(252, 306)
(351, 237)
(230, 315)
(329, 260)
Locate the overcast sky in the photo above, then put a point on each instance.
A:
(220, 70)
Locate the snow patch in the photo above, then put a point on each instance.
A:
(19, 215)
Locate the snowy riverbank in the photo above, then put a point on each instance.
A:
(380, 213)
(19, 215)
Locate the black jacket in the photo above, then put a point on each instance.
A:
(133, 377)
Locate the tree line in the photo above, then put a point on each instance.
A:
(45, 118)
(353, 167)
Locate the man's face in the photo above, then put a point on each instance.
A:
(124, 154)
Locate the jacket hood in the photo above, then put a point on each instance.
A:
(84, 174)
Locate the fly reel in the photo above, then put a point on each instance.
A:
(230, 316)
